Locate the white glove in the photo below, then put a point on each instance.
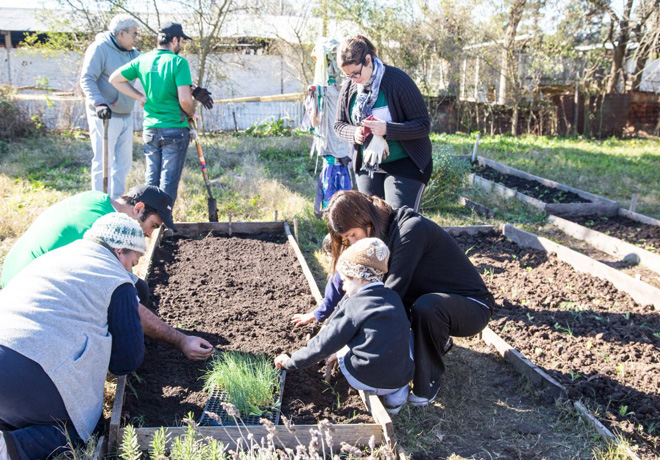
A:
(374, 153)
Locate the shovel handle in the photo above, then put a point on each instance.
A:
(105, 155)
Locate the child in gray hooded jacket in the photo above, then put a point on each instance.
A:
(369, 331)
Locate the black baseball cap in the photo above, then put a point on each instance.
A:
(173, 29)
(156, 198)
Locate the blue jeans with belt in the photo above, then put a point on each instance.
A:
(165, 153)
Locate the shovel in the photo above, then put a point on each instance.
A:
(105, 155)
(213, 207)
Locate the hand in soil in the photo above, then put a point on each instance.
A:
(301, 319)
(196, 348)
(280, 360)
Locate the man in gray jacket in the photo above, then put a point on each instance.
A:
(110, 50)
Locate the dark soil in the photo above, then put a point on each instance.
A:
(239, 293)
(631, 231)
(527, 187)
(596, 341)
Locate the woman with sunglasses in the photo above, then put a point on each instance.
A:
(381, 100)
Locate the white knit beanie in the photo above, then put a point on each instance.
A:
(365, 259)
(118, 231)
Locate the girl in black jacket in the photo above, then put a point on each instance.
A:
(380, 100)
(441, 290)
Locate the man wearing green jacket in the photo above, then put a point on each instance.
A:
(168, 103)
(68, 220)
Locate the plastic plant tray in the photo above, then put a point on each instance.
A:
(214, 406)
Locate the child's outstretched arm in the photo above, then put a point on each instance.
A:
(333, 294)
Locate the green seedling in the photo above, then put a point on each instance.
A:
(656, 335)
(574, 375)
(335, 394)
(620, 371)
(623, 411)
(250, 381)
(564, 329)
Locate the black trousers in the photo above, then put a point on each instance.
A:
(435, 317)
(396, 191)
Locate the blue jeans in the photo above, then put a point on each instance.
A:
(165, 153)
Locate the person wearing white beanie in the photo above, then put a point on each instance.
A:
(369, 330)
(66, 319)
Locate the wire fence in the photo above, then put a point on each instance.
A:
(63, 113)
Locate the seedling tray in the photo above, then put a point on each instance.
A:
(595, 205)
(217, 397)
(358, 434)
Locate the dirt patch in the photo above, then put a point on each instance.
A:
(631, 231)
(592, 338)
(527, 187)
(239, 293)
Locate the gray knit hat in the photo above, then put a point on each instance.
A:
(365, 259)
(118, 231)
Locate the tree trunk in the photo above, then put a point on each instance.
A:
(508, 74)
(619, 52)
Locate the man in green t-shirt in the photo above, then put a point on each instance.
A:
(68, 220)
(168, 103)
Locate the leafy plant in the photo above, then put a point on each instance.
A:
(448, 179)
(279, 127)
(249, 380)
(130, 447)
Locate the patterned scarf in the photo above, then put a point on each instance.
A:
(367, 94)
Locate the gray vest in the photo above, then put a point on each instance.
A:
(55, 312)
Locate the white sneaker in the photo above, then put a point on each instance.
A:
(4, 455)
(420, 401)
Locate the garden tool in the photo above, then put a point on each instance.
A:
(213, 207)
(105, 155)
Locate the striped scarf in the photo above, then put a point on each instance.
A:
(367, 94)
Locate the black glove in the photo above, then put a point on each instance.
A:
(203, 95)
(103, 112)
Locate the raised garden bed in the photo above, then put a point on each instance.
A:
(238, 292)
(544, 194)
(594, 341)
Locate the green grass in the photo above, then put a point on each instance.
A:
(250, 381)
(612, 168)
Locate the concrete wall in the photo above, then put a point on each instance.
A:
(228, 75)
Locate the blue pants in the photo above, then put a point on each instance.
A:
(165, 153)
(32, 414)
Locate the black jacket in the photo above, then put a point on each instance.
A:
(410, 123)
(374, 325)
(425, 259)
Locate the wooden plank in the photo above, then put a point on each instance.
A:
(606, 243)
(548, 182)
(115, 418)
(196, 229)
(380, 415)
(537, 376)
(638, 217)
(355, 435)
(469, 229)
(303, 263)
(602, 430)
(489, 186)
(143, 268)
(641, 292)
(476, 207)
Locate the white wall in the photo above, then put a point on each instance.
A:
(228, 75)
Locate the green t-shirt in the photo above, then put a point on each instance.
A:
(396, 149)
(57, 226)
(161, 72)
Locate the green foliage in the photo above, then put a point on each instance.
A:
(278, 127)
(158, 444)
(14, 121)
(448, 179)
(250, 381)
(129, 448)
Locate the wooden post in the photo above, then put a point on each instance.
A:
(476, 147)
(276, 215)
(633, 202)
(8, 46)
(229, 225)
(295, 229)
